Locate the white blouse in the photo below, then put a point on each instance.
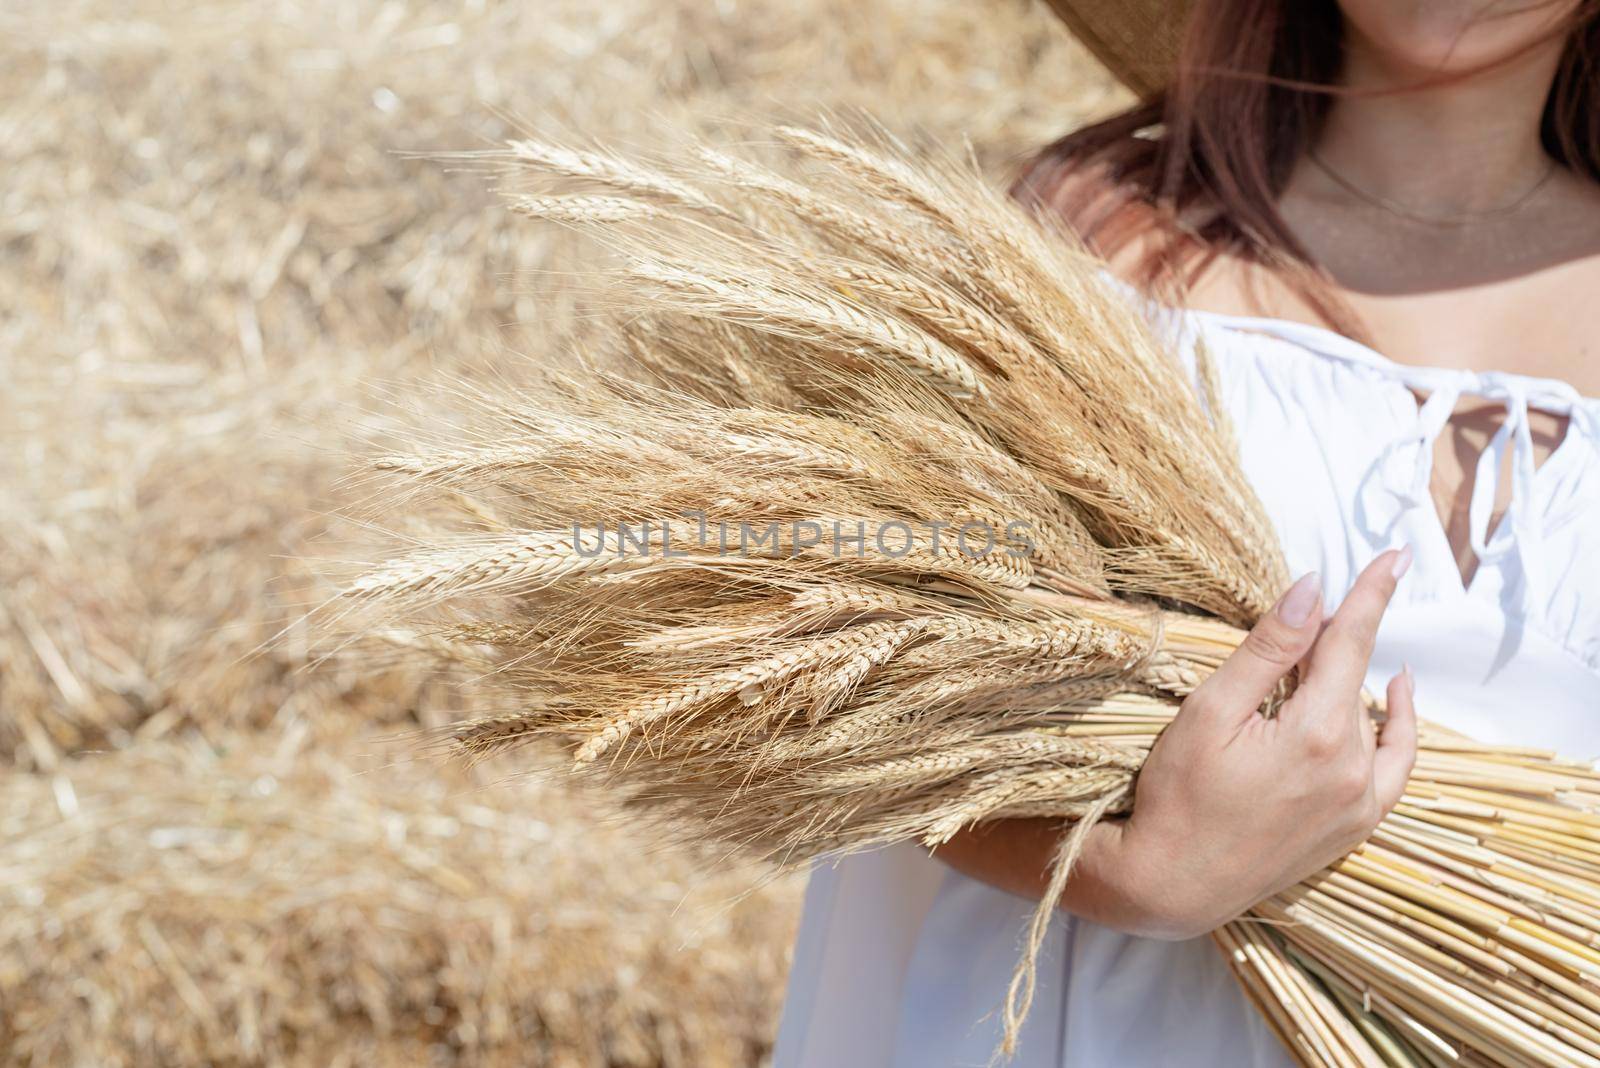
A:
(902, 962)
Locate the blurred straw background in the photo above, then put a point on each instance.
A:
(219, 262)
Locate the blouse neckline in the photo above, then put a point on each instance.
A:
(1550, 393)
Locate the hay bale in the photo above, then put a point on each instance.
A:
(297, 900)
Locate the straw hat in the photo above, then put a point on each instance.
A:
(1137, 39)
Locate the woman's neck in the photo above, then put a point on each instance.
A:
(1470, 143)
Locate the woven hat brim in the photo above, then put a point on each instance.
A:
(1136, 39)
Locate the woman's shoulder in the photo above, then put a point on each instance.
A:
(1100, 199)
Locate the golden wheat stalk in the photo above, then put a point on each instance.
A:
(725, 592)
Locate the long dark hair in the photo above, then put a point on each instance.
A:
(1198, 170)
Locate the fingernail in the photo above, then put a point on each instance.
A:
(1402, 562)
(1411, 680)
(1296, 606)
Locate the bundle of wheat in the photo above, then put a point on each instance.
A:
(916, 524)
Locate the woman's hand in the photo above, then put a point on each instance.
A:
(1232, 807)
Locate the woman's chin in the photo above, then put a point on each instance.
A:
(1425, 38)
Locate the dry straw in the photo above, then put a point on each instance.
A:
(300, 903)
(850, 347)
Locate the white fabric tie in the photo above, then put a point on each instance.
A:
(1399, 480)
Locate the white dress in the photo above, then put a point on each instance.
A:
(902, 962)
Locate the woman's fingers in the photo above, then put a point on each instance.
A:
(1276, 644)
(1397, 744)
(1338, 664)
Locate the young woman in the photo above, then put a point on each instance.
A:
(1382, 218)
